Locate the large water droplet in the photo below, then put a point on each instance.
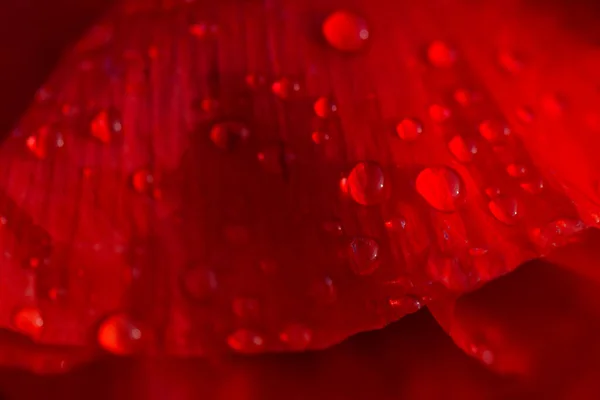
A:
(118, 334)
(364, 253)
(246, 341)
(296, 336)
(107, 126)
(29, 321)
(505, 209)
(366, 183)
(409, 129)
(345, 31)
(441, 187)
(227, 135)
(441, 55)
(199, 283)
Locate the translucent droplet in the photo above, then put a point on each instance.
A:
(510, 62)
(45, 142)
(199, 283)
(525, 115)
(494, 131)
(441, 55)
(409, 129)
(324, 291)
(246, 341)
(345, 31)
(320, 137)
(143, 182)
(334, 228)
(119, 335)
(439, 113)
(246, 308)
(28, 321)
(366, 183)
(558, 233)
(107, 126)
(364, 253)
(461, 149)
(324, 107)
(464, 97)
(404, 305)
(284, 88)
(227, 135)
(296, 336)
(441, 187)
(505, 209)
(533, 186)
(255, 81)
(516, 170)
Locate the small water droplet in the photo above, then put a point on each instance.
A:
(533, 186)
(396, 224)
(45, 142)
(494, 131)
(405, 305)
(246, 308)
(516, 170)
(505, 209)
(441, 187)
(119, 335)
(324, 107)
(143, 182)
(199, 283)
(296, 336)
(334, 228)
(284, 88)
(364, 253)
(465, 97)
(345, 31)
(227, 135)
(558, 233)
(319, 137)
(510, 62)
(29, 321)
(106, 126)
(461, 149)
(366, 183)
(255, 81)
(441, 55)
(439, 113)
(245, 341)
(409, 129)
(324, 291)
(525, 115)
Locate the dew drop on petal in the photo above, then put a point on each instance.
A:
(345, 31)
(199, 283)
(494, 131)
(118, 334)
(441, 55)
(364, 253)
(296, 336)
(366, 183)
(227, 135)
(409, 129)
(324, 107)
(461, 149)
(106, 126)
(441, 187)
(28, 321)
(505, 209)
(284, 88)
(246, 341)
(439, 113)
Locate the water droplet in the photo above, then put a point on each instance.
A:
(533, 186)
(143, 182)
(324, 107)
(409, 129)
(494, 131)
(510, 62)
(516, 170)
(255, 81)
(465, 97)
(106, 126)
(276, 159)
(334, 228)
(246, 308)
(45, 142)
(296, 336)
(246, 341)
(118, 334)
(227, 135)
(396, 224)
(505, 209)
(439, 113)
(441, 187)
(366, 183)
(461, 149)
(199, 283)
(441, 55)
(29, 321)
(284, 88)
(558, 233)
(405, 305)
(320, 137)
(525, 115)
(364, 253)
(345, 31)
